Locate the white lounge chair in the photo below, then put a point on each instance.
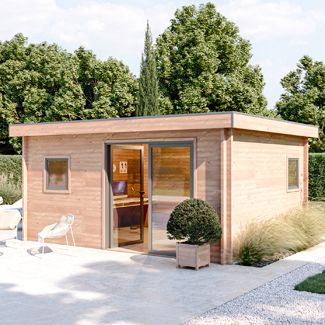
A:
(58, 230)
(9, 220)
(16, 206)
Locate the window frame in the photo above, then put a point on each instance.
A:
(62, 190)
(296, 187)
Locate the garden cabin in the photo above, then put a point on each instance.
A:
(121, 178)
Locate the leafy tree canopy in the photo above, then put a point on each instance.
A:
(44, 83)
(202, 66)
(304, 98)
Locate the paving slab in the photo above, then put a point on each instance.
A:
(108, 287)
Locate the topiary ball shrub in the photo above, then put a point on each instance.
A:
(195, 221)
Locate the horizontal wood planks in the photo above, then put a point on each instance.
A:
(259, 188)
(157, 123)
(256, 123)
(173, 123)
(85, 202)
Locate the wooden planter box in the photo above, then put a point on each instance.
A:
(192, 255)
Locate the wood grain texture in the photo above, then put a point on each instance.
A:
(25, 187)
(166, 123)
(305, 175)
(259, 188)
(87, 198)
(122, 125)
(256, 123)
(192, 255)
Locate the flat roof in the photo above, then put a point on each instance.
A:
(200, 121)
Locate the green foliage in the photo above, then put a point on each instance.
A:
(196, 221)
(314, 284)
(10, 191)
(294, 231)
(202, 66)
(304, 98)
(11, 167)
(148, 82)
(36, 85)
(44, 83)
(109, 88)
(316, 175)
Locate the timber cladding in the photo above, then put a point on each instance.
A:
(260, 167)
(87, 159)
(240, 168)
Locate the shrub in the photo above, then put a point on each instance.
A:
(11, 166)
(316, 175)
(195, 221)
(9, 191)
(293, 231)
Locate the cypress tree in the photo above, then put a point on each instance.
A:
(148, 82)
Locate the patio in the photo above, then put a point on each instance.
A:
(108, 287)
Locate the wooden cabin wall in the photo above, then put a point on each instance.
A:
(87, 158)
(259, 176)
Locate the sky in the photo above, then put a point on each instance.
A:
(280, 32)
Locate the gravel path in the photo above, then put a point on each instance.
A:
(273, 303)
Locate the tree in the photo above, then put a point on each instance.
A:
(36, 85)
(109, 88)
(202, 66)
(44, 83)
(148, 82)
(304, 98)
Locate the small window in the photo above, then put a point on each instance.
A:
(57, 174)
(293, 173)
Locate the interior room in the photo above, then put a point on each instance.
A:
(167, 181)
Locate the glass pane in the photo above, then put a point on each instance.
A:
(126, 184)
(58, 174)
(171, 184)
(293, 173)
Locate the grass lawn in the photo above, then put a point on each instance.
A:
(314, 284)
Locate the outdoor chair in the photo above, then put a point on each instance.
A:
(58, 230)
(9, 220)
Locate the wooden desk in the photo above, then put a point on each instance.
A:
(128, 201)
(126, 212)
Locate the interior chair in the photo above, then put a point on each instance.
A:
(58, 230)
(9, 220)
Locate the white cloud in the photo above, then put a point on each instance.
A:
(108, 29)
(274, 19)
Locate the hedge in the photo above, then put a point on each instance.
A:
(316, 175)
(11, 164)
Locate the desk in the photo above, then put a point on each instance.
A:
(128, 201)
(126, 212)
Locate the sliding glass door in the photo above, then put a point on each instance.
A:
(170, 182)
(127, 194)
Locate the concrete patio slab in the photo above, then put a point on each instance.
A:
(108, 287)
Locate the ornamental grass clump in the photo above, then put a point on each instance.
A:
(194, 221)
(289, 233)
(9, 191)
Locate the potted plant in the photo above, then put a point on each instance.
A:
(196, 222)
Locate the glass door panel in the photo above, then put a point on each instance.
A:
(127, 192)
(171, 171)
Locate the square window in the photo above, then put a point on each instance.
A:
(293, 173)
(57, 174)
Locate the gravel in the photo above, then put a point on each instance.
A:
(273, 303)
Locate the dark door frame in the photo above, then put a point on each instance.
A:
(108, 188)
